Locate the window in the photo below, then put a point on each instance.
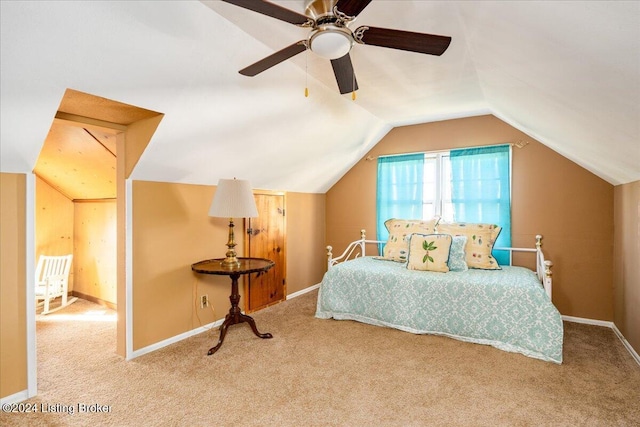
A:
(468, 185)
(436, 198)
(399, 189)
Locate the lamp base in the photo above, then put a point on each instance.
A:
(231, 261)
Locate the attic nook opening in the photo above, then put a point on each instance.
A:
(91, 149)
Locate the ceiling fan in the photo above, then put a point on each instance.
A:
(331, 38)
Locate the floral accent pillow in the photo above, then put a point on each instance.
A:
(480, 241)
(400, 230)
(429, 252)
(457, 260)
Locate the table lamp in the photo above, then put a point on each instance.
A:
(233, 199)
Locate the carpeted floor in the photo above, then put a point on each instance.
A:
(323, 373)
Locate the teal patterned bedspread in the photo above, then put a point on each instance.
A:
(507, 309)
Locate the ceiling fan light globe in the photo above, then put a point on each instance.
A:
(330, 44)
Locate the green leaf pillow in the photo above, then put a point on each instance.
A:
(429, 252)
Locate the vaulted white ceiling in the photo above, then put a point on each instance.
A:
(565, 73)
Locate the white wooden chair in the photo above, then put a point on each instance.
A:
(52, 280)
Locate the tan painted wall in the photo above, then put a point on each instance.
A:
(305, 240)
(571, 207)
(626, 282)
(172, 230)
(13, 327)
(54, 224)
(95, 256)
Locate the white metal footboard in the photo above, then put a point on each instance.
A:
(543, 267)
(354, 250)
(358, 248)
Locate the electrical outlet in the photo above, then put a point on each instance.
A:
(204, 301)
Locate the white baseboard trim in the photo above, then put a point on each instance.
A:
(634, 354)
(175, 339)
(304, 291)
(15, 398)
(188, 334)
(594, 322)
(610, 325)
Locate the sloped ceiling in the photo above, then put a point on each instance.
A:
(566, 73)
(80, 163)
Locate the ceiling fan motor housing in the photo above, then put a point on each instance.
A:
(317, 9)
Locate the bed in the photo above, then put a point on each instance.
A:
(508, 308)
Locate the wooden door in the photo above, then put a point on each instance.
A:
(266, 239)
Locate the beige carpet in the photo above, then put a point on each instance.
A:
(324, 373)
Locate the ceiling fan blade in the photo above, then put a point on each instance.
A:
(274, 59)
(272, 10)
(404, 40)
(352, 7)
(345, 76)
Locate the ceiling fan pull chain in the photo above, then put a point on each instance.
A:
(353, 84)
(306, 74)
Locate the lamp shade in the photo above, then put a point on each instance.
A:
(233, 199)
